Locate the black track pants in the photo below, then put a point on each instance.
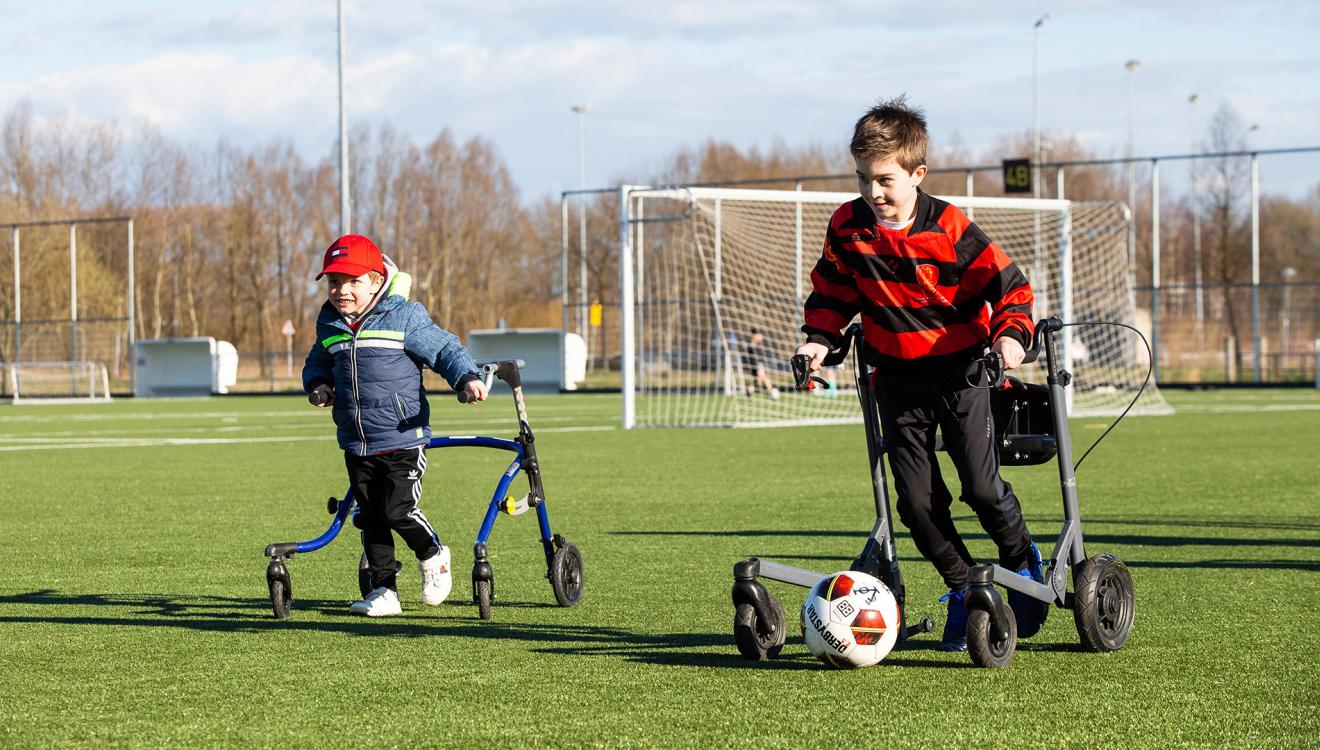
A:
(388, 488)
(910, 412)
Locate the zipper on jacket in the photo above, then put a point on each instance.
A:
(357, 401)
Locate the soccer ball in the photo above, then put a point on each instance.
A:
(850, 620)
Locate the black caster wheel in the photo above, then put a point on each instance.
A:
(757, 639)
(482, 594)
(1104, 604)
(364, 576)
(281, 589)
(983, 646)
(566, 574)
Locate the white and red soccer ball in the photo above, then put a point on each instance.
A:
(850, 620)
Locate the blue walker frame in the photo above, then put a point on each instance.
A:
(563, 560)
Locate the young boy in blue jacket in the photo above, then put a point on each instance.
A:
(372, 343)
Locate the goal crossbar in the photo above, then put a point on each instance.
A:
(839, 198)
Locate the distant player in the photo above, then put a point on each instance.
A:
(372, 344)
(933, 292)
(754, 361)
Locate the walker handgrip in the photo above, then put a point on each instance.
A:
(802, 377)
(995, 368)
(487, 377)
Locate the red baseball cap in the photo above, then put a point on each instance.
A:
(354, 255)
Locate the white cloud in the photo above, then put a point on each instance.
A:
(663, 75)
(188, 95)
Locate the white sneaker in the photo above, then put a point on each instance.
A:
(436, 582)
(381, 602)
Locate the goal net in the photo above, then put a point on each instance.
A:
(714, 267)
(22, 382)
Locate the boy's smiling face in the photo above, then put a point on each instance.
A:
(888, 188)
(352, 295)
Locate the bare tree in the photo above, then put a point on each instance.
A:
(1223, 179)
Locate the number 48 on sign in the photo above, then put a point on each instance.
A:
(1017, 175)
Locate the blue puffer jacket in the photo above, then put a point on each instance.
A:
(380, 404)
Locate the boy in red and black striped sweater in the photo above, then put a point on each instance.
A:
(933, 291)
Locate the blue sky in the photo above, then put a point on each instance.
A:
(661, 75)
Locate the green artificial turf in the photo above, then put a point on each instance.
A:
(134, 610)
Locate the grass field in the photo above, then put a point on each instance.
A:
(135, 612)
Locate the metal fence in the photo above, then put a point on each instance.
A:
(71, 295)
(1224, 255)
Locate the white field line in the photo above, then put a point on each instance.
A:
(264, 427)
(1233, 408)
(304, 415)
(144, 442)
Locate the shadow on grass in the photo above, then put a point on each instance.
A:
(220, 614)
(1043, 533)
(239, 615)
(1310, 566)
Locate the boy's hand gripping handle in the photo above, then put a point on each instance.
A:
(488, 376)
(803, 380)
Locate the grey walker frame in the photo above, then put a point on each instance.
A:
(1103, 602)
(759, 622)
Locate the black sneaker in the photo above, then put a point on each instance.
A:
(955, 622)
(1030, 612)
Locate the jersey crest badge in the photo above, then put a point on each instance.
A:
(927, 278)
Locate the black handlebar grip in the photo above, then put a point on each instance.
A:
(801, 364)
(464, 397)
(995, 367)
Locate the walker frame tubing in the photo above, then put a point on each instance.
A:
(492, 510)
(524, 456)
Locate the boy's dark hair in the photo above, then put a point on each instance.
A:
(891, 128)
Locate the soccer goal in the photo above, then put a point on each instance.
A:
(27, 382)
(706, 269)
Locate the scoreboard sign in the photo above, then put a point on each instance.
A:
(1017, 175)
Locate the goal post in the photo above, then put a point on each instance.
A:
(703, 270)
(40, 381)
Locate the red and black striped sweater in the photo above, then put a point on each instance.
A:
(930, 297)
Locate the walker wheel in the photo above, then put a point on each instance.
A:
(482, 594)
(759, 640)
(982, 646)
(281, 589)
(1104, 604)
(566, 574)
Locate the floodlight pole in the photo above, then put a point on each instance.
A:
(343, 132)
(1257, 359)
(1035, 104)
(1285, 324)
(132, 292)
(73, 292)
(583, 312)
(1131, 65)
(1192, 101)
(18, 300)
(1037, 271)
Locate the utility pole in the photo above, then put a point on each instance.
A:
(1131, 65)
(1192, 101)
(343, 132)
(583, 309)
(1035, 103)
